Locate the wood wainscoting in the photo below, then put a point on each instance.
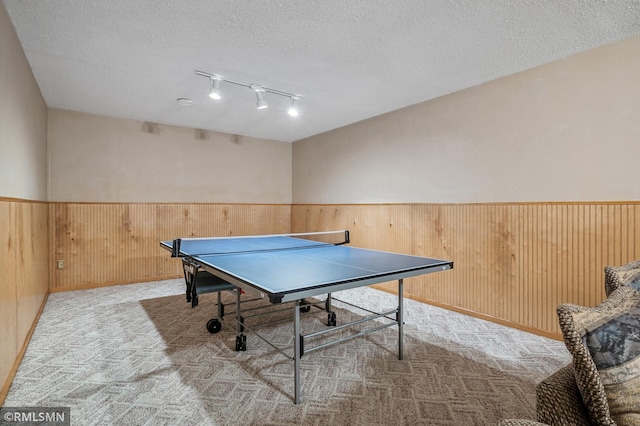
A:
(24, 278)
(514, 263)
(104, 244)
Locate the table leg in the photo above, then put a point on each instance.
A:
(400, 320)
(297, 351)
(241, 339)
(331, 316)
(238, 314)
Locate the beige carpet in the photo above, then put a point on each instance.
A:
(139, 354)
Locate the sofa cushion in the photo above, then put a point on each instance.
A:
(617, 276)
(605, 344)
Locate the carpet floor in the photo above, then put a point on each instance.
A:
(140, 355)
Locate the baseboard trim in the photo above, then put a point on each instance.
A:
(12, 373)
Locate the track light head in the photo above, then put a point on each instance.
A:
(262, 102)
(293, 109)
(214, 93)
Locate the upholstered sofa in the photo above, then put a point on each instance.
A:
(600, 386)
(558, 402)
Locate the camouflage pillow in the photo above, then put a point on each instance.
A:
(605, 344)
(616, 276)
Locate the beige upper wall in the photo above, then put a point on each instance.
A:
(103, 159)
(23, 122)
(568, 131)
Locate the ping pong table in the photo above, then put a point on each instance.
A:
(294, 267)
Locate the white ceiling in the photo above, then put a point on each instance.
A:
(350, 59)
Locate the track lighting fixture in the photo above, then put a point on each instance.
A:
(261, 91)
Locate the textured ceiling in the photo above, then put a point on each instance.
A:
(350, 59)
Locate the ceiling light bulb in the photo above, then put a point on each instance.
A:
(262, 102)
(214, 93)
(293, 110)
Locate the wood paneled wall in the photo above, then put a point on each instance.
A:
(24, 277)
(513, 263)
(114, 243)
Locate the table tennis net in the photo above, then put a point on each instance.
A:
(191, 247)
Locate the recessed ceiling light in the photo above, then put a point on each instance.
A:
(185, 102)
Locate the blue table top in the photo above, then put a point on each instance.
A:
(285, 267)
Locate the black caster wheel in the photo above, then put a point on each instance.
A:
(331, 319)
(214, 326)
(304, 307)
(241, 343)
